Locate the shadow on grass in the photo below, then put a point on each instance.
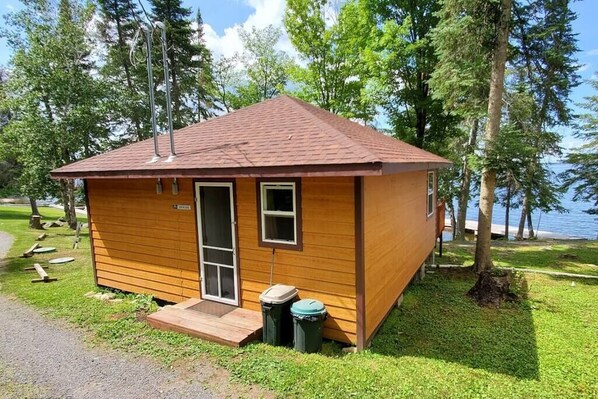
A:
(20, 212)
(437, 320)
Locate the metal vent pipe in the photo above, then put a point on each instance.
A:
(150, 78)
(162, 27)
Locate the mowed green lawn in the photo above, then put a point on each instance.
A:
(438, 344)
(571, 256)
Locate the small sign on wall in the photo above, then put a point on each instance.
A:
(181, 207)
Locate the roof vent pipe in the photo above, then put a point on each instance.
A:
(162, 27)
(150, 78)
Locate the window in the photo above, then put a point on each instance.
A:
(430, 193)
(279, 214)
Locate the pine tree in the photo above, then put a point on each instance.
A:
(545, 64)
(483, 260)
(583, 176)
(128, 82)
(404, 62)
(204, 101)
(460, 79)
(183, 58)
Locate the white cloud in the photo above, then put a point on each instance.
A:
(266, 12)
(10, 7)
(583, 67)
(593, 52)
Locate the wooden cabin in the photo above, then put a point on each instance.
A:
(278, 192)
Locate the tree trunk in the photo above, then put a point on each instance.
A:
(530, 227)
(72, 219)
(65, 200)
(35, 221)
(524, 208)
(483, 260)
(33, 203)
(451, 211)
(507, 211)
(459, 231)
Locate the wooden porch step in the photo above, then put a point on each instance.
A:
(236, 328)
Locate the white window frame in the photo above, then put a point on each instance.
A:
(430, 193)
(264, 186)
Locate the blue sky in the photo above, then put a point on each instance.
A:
(222, 17)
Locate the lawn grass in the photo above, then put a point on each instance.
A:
(579, 257)
(438, 344)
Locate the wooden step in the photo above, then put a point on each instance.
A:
(236, 328)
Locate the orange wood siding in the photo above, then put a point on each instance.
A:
(324, 270)
(141, 244)
(398, 237)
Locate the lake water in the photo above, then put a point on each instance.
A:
(575, 223)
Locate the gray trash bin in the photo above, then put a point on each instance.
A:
(276, 314)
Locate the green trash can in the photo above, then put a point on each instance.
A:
(276, 314)
(308, 318)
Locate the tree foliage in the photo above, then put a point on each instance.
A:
(583, 176)
(333, 44)
(127, 82)
(404, 60)
(58, 112)
(265, 68)
(205, 99)
(189, 61)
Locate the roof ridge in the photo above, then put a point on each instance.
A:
(321, 121)
(370, 130)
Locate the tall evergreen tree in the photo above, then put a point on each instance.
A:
(545, 64)
(205, 98)
(183, 58)
(460, 79)
(405, 62)
(583, 176)
(128, 82)
(483, 260)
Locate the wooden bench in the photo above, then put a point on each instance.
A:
(29, 252)
(43, 276)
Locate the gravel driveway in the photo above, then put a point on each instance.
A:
(5, 244)
(42, 358)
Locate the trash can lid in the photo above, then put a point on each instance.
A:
(278, 293)
(308, 307)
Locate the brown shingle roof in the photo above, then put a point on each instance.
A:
(281, 136)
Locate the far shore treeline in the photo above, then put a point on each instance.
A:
(483, 83)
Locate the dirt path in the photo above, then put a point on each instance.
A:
(42, 358)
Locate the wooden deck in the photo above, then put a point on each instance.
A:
(235, 328)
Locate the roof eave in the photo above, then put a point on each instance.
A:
(365, 169)
(402, 167)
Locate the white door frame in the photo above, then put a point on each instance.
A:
(201, 247)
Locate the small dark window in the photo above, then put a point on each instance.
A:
(279, 214)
